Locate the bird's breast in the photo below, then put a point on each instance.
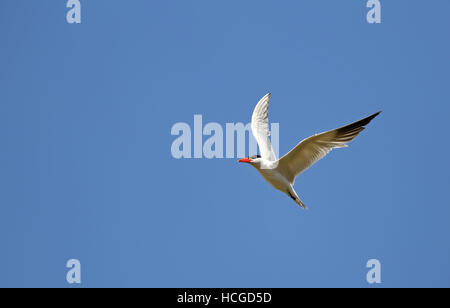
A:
(274, 178)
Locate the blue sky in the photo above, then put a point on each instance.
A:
(87, 173)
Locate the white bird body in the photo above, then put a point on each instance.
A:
(281, 173)
(276, 177)
(271, 174)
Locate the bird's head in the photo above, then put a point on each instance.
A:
(252, 159)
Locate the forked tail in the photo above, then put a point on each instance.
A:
(296, 199)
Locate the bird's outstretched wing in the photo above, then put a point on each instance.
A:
(260, 128)
(314, 148)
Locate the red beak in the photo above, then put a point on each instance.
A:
(245, 160)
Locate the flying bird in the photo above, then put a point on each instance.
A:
(281, 173)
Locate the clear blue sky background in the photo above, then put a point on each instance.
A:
(86, 169)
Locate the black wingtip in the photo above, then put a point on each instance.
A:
(374, 115)
(358, 124)
(367, 120)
